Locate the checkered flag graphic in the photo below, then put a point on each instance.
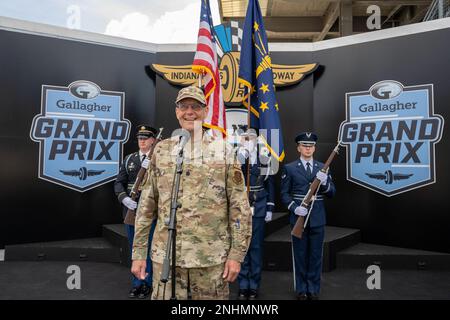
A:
(236, 36)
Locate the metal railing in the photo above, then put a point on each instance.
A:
(438, 9)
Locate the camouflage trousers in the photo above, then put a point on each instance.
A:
(192, 283)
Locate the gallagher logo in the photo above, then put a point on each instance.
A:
(390, 135)
(81, 131)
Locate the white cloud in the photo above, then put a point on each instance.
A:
(172, 27)
(156, 21)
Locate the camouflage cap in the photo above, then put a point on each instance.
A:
(193, 92)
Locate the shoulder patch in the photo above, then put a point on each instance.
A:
(237, 176)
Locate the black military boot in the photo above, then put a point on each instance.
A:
(145, 291)
(243, 294)
(313, 296)
(253, 294)
(302, 296)
(134, 292)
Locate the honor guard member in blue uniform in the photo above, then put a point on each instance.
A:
(123, 185)
(261, 199)
(296, 179)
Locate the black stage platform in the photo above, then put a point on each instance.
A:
(38, 270)
(47, 280)
(342, 249)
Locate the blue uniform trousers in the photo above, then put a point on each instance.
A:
(307, 254)
(250, 275)
(148, 280)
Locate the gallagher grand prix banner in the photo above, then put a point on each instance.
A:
(390, 134)
(81, 131)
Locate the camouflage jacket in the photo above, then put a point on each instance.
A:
(214, 221)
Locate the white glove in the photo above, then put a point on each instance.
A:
(129, 203)
(264, 152)
(243, 152)
(301, 211)
(322, 176)
(250, 145)
(145, 163)
(268, 216)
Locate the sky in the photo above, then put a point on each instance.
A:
(155, 21)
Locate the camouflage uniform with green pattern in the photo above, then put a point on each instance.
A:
(214, 221)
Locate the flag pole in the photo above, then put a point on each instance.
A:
(200, 76)
(249, 157)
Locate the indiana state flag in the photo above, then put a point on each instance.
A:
(255, 72)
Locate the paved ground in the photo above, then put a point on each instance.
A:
(47, 280)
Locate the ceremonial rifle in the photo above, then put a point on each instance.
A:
(300, 225)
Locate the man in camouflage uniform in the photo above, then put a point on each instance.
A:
(214, 221)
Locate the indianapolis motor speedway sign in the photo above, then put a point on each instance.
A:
(228, 38)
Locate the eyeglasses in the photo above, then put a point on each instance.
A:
(185, 106)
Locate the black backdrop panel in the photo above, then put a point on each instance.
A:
(34, 209)
(166, 93)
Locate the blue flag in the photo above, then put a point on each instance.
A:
(255, 72)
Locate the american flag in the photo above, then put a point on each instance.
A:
(205, 63)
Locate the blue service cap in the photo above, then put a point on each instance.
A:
(306, 138)
(145, 131)
(249, 131)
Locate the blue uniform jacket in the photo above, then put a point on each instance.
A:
(262, 190)
(295, 186)
(126, 178)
